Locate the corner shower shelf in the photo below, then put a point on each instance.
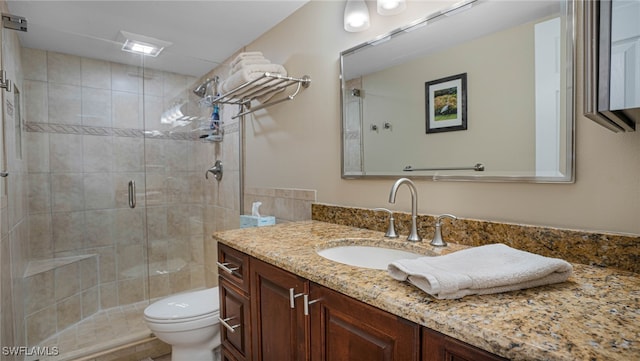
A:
(263, 88)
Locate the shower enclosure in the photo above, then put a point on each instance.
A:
(106, 205)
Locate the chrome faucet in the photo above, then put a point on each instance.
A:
(413, 235)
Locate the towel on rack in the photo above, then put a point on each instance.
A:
(246, 62)
(250, 73)
(493, 268)
(246, 55)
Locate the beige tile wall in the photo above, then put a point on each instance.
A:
(59, 295)
(287, 205)
(221, 198)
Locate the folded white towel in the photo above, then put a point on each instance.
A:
(480, 270)
(246, 55)
(248, 61)
(250, 73)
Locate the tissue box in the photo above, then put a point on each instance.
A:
(255, 221)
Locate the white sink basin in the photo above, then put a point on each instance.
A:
(366, 256)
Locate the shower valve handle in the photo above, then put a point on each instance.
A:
(216, 170)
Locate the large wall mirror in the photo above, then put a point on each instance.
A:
(480, 91)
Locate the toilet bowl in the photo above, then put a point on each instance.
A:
(189, 323)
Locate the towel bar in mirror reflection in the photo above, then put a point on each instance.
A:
(518, 57)
(478, 167)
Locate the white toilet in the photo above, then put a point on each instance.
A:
(189, 323)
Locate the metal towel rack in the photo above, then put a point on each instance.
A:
(479, 167)
(263, 88)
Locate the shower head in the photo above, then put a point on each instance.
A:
(201, 89)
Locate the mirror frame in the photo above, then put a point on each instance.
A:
(570, 12)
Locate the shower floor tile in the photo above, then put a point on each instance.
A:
(105, 330)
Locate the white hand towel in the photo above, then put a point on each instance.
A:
(493, 268)
(250, 73)
(248, 61)
(246, 55)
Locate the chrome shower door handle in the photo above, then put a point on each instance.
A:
(4, 174)
(132, 194)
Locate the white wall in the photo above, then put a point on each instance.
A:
(297, 144)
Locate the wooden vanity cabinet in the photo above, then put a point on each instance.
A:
(346, 329)
(336, 327)
(439, 347)
(279, 316)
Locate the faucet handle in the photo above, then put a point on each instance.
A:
(391, 230)
(437, 240)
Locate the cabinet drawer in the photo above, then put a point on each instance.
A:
(235, 320)
(233, 266)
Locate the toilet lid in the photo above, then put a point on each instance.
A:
(185, 305)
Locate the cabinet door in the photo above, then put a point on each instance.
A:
(235, 312)
(280, 330)
(439, 347)
(344, 329)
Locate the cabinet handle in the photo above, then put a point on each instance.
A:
(307, 303)
(224, 267)
(293, 296)
(228, 326)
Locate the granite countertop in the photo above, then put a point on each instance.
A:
(595, 315)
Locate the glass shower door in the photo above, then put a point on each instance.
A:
(175, 164)
(128, 176)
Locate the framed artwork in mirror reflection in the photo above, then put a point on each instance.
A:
(446, 104)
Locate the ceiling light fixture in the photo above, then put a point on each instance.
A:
(356, 16)
(140, 44)
(391, 7)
